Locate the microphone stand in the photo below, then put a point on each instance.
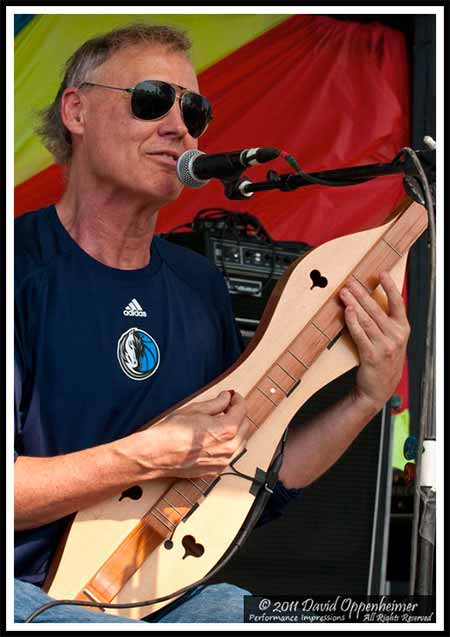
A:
(240, 187)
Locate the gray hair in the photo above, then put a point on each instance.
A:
(55, 136)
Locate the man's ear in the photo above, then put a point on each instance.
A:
(72, 110)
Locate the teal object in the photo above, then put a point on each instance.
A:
(410, 448)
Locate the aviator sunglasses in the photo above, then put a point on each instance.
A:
(152, 99)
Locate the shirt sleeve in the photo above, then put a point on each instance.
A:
(278, 502)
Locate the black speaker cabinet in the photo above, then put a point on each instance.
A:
(334, 538)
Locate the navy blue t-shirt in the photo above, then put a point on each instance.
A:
(100, 351)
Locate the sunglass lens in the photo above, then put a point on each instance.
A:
(197, 113)
(152, 99)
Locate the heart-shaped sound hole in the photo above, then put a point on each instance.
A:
(134, 493)
(318, 280)
(192, 547)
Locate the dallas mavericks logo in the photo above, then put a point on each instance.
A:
(138, 354)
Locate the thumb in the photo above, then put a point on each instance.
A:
(213, 406)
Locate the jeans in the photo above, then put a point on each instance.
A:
(215, 603)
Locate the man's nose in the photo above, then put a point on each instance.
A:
(173, 122)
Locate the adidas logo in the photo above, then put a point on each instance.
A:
(134, 309)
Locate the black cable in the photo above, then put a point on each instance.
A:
(150, 602)
(316, 180)
(188, 224)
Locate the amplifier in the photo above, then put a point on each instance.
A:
(251, 268)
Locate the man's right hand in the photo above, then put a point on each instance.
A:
(195, 441)
(198, 440)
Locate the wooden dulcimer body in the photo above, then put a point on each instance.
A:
(167, 534)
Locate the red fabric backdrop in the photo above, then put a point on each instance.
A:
(333, 94)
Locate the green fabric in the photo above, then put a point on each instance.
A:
(400, 434)
(43, 45)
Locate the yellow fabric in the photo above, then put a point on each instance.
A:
(43, 46)
(400, 434)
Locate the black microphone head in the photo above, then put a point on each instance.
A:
(185, 172)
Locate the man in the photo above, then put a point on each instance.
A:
(114, 325)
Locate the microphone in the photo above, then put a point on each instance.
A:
(195, 168)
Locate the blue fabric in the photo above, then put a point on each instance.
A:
(101, 351)
(217, 603)
(20, 21)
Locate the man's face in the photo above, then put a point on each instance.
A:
(126, 154)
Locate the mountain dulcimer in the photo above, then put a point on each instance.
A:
(161, 535)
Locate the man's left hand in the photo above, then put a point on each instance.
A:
(381, 338)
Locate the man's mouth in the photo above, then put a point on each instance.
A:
(168, 157)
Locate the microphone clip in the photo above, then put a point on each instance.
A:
(234, 187)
